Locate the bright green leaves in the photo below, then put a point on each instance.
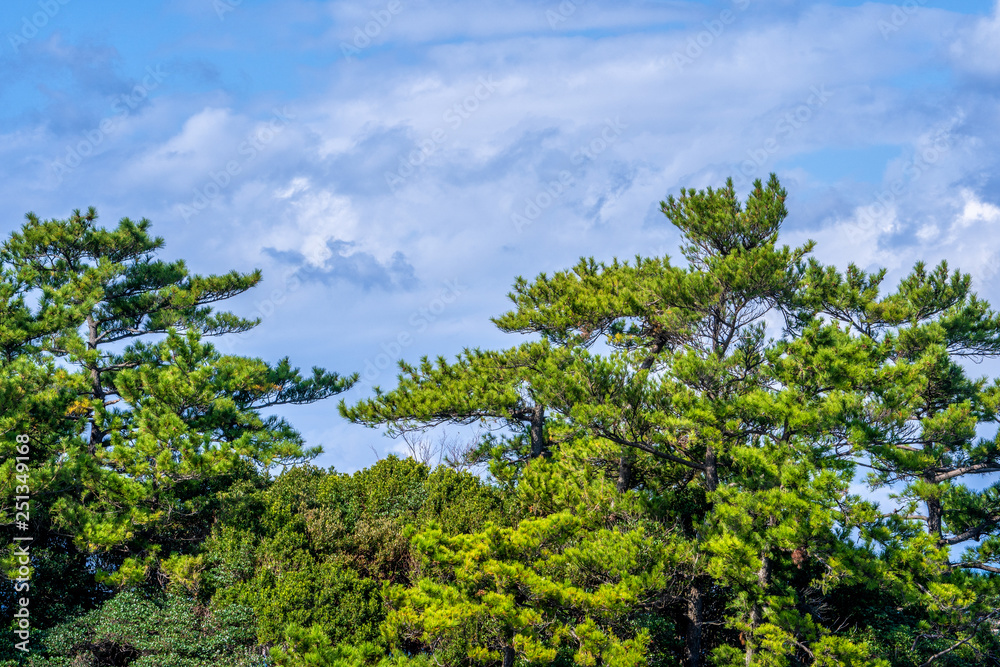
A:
(676, 452)
(663, 381)
(315, 547)
(620, 303)
(112, 276)
(559, 580)
(189, 418)
(478, 385)
(500, 389)
(715, 224)
(312, 648)
(922, 440)
(733, 245)
(136, 423)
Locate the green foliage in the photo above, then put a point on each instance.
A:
(494, 388)
(314, 548)
(144, 631)
(149, 420)
(927, 449)
(553, 581)
(341, 602)
(312, 648)
(136, 426)
(674, 459)
(663, 379)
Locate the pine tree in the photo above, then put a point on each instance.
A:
(743, 442)
(480, 386)
(561, 585)
(756, 427)
(924, 442)
(159, 420)
(35, 394)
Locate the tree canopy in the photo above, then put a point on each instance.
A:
(739, 457)
(136, 424)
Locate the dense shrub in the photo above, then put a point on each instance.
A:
(151, 630)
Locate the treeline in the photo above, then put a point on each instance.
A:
(311, 548)
(682, 464)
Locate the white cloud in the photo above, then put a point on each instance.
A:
(978, 48)
(976, 211)
(973, 244)
(193, 152)
(321, 182)
(313, 219)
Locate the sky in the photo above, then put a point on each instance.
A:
(392, 166)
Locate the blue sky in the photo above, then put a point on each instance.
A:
(393, 165)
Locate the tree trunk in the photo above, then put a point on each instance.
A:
(757, 614)
(711, 469)
(625, 463)
(934, 512)
(508, 656)
(96, 434)
(538, 447)
(657, 347)
(696, 603)
(695, 614)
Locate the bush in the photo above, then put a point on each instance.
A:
(143, 630)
